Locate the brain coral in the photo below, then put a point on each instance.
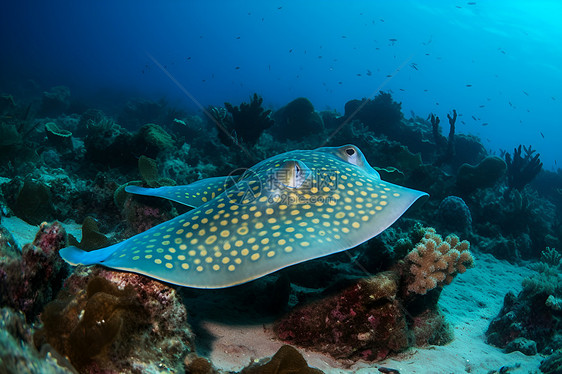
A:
(434, 262)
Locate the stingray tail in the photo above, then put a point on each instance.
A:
(76, 256)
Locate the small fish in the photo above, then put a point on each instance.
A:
(464, 123)
(469, 85)
(426, 90)
(392, 40)
(237, 37)
(279, 8)
(482, 106)
(413, 65)
(474, 118)
(344, 37)
(340, 82)
(291, 50)
(389, 76)
(237, 68)
(485, 124)
(382, 20)
(542, 134)
(369, 73)
(401, 89)
(319, 57)
(189, 58)
(526, 94)
(471, 3)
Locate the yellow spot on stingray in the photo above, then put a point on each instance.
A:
(169, 265)
(166, 242)
(216, 267)
(179, 232)
(168, 257)
(355, 225)
(294, 212)
(288, 249)
(259, 225)
(239, 243)
(345, 230)
(148, 257)
(199, 268)
(192, 253)
(269, 211)
(379, 208)
(226, 246)
(383, 203)
(305, 244)
(178, 240)
(298, 235)
(270, 253)
(158, 261)
(183, 247)
(185, 266)
(193, 241)
(257, 214)
(208, 260)
(225, 260)
(282, 207)
(314, 190)
(244, 252)
(231, 267)
(255, 256)
(211, 239)
(181, 257)
(340, 215)
(365, 218)
(264, 241)
(281, 242)
(290, 229)
(136, 257)
(326, 189)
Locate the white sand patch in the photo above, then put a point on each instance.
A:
(24, 233)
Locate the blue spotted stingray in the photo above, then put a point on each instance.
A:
(287, 209)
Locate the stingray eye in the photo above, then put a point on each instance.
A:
(350, 154)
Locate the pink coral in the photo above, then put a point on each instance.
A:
(434, 262)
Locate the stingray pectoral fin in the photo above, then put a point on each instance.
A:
(193, 195)
(75, 256)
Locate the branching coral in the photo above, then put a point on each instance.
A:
(248, 121)
(522, 170)
(434, 262)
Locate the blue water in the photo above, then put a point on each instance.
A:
(499, 61)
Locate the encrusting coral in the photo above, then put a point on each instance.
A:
(434, 262)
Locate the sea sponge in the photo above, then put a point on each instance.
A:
(434, 262)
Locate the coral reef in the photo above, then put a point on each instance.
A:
(60, 138)
(454, 215)
(17, 353)
(102, 317)
(246, 123)
(385, 313)
(30, 279)
(484, 175)
(297, 120)
(287, 360)
(522, 170)
(531, 322)
(434, 262)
